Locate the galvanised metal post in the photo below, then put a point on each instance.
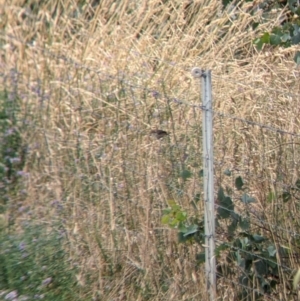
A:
(208, 168)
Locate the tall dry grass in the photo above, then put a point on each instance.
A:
(94, 79)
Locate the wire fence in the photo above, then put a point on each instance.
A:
(96, 155)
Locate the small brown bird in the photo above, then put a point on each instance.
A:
(158, 134)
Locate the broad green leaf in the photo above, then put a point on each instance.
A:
(171, 202)
(275, 39)
(293, 4)
(258, 43)
(182, 238)
(173, 223)
(232, 227)
(296, 38)
(245, 242)
(165, 219)
(235, 216)
(244, 224)
(261, 267)
(264, 39)
(227, 172)
(255, 25)
(285, 37)
(239, 183)
(223, 213)
(286, 196)
(221, 194)
(167, 211)
(271, 250)
(196, 198)
(225, 208)
(226, 2)
(182, 228)
(192, 229)
(181, 216)
(200, 257)
(221, 248)
(227, 203)
(258, 238)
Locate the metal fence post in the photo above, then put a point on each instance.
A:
(209, 204)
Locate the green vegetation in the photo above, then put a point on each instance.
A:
(12, 151)
(35, 264)
(286, 34)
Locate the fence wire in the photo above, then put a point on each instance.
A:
(112, 150)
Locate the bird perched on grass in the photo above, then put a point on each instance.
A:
(158, 134)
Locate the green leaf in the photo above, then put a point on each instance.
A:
(244, 224)
(297, 11)
(201, 173)
(258, 238)
(227, 203)
(173, 223)
(296, 39)
(227, 172)
(285, 37)
(196, 198)
(258, 43)
(165, 219)
(235, 216)
(182, 228)
(261, 267)
(200, 257)
(181, 216)
(185, 174)
(171, 202)
(271, 250)
(275, 40)
(167, 211)
(182, 238)
(221, 248)
(225, 208)
(240, 260)
(264, 39)
(293, 4)
(246, 199)
(239, 183)
(254, 25)
(192, 229)
(232, 227)
(286, 196)
(223, 213)
(226, 2)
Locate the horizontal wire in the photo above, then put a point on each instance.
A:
(172, 99)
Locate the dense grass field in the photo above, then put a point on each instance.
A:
(84, 184)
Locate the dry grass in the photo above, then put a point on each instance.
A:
(95, 80)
